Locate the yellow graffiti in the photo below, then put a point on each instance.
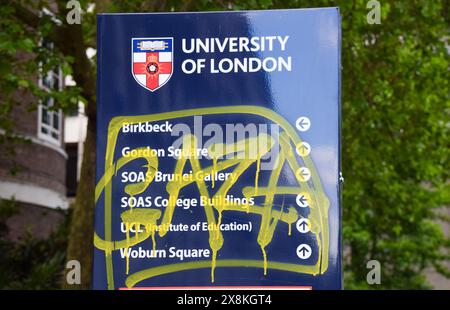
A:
(270, 216)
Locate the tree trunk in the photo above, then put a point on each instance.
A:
(82, 224)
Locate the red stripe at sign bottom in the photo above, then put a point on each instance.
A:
(197, 288)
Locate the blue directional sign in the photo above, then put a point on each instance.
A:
(218, 150)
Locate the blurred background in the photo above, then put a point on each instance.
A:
(395, 143)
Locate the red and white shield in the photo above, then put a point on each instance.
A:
(152, 61)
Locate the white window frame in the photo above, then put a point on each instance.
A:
(50, 127)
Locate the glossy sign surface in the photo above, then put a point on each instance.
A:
(218, 150)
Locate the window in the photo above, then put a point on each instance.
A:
(72, 169)
(50, 120)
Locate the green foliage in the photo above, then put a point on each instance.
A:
(22, 61)
(395, 141)
(30, 263)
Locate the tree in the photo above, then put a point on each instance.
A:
(395, 98)
(31, 262)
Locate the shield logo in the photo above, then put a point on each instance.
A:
(152, 61)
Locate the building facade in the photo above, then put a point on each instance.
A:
(34, 176)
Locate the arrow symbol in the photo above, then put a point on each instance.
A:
(304, 174)
(303, 226)
(304, 251)
(302, 200)
(303, 149)
(303, 123)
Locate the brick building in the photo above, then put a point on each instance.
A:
(39, 183)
